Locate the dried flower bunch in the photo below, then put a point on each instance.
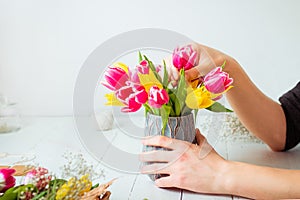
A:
(38, 183)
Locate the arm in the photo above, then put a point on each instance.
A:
(261, 115)
(189, 169)
(259, 182)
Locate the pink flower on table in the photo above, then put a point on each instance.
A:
(38, 177)
(115, 77)
(133, 96)
(185, 57)
(217, 81)
(157, 97)
(6, 179)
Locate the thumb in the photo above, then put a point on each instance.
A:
(205, 148)
(199, 137)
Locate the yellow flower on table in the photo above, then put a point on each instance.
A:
(74, 188)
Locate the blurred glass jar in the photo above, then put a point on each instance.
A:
(9, 116)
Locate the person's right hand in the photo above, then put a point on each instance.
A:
(209, 58)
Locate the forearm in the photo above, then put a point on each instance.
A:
(260, 114)
(259, 182)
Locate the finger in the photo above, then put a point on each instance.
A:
(174, 74)
(162, 141)
(157, 156)
(192, 74)
(165, 182)
(155, 168)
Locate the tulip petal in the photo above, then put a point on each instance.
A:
(122, 66)
(141, 97)
(148, 80)
(198, 98)
(184, 57)
(112, 100)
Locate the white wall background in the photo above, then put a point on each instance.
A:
(44, 43)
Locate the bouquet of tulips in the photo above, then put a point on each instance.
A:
(149, 85)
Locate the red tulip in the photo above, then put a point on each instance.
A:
(6, 179)
(157, 97)
(185, 57)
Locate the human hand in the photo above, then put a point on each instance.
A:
(207, 59)
(192, 167)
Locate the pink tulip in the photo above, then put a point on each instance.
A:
(184, 57)
(6, 179)
(217, 81)
(38, 177)
(133, 96)
(142, 68)
(115, 77)
(157, 97)
(158, 68)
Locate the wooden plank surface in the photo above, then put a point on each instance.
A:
(44, 141)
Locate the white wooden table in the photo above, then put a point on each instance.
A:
(47, 138)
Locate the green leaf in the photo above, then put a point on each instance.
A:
(172, 112)
(95, 186)
(166, 76)
(181, 92)
(9, 194)
(147, 109)
(56, 183)
(165, 112)
(195, 115)
(153, 69)
(217, 107)
(175, 103)
(223, 65)
(140, 57)
(185, 110)
(39, 195)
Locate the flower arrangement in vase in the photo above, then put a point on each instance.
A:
(171, 109)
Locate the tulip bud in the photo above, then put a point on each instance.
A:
(116, 77)
(185, 57)
(132, 96)
(217, 81)
(6, 179)
(157, 97)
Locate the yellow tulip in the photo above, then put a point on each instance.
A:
(198, 98)
(112, 100)
(148, 80)
(122, 66)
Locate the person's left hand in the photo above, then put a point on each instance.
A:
(193, 167)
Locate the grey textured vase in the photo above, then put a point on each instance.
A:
(182, 128)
